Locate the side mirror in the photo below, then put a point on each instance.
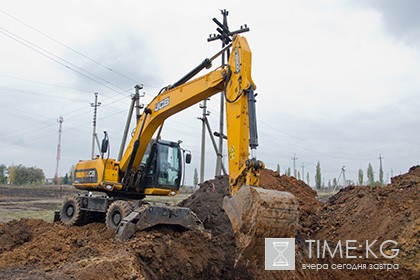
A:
(105, 143)
(104, 146)
(188, 158)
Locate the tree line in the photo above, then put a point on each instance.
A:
(21, 175)
(319, 183)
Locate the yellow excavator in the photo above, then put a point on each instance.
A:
(151, 166)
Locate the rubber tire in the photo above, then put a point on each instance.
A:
(116, 213)
(71, 213)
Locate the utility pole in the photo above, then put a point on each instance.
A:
(60, 121)
(343, 172)
(135, 103)
(222, 102)
(203, 139)
(225, 35)
(139, 105)
(381, 172)
(294, 158)
(95, 106)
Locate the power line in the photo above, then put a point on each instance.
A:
(37, 93)
(26, 132)
(314, 151)
(77, 52)
(38, 129)
(57, 59)
(43, 83)
(67, 47)
(65, 130)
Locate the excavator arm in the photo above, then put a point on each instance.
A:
(235, 79)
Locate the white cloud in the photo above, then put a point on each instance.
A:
(333, 84)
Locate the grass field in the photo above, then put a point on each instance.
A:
(40, 202)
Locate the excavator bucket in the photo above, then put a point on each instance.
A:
(255, 213)
(146, 216)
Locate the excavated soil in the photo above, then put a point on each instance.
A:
(34, 249)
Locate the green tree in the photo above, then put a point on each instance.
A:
(370, 176)
(329, 184)
(307, 178)
(3, 177)
(278, 168)
(318, 178)
(335, 183)
(360, 177)
(298, 175)
(71, 174)
(65, 179)
(20, 175)
(195, 177)
(289, 172)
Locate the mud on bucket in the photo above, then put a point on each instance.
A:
(255, 212)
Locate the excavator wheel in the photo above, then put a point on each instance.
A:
(71, 213)
(116, 213)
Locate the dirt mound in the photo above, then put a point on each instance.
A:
(207, 201)
(13, 234)
(412, 178)
(379, 213)
(87, 252)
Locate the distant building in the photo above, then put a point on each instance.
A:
(49, 180)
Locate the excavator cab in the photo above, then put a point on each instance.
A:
(162, 165)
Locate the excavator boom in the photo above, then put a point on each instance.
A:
(253, 211)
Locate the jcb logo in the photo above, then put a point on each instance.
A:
(86, 175)
(162, 104)
(237, 62)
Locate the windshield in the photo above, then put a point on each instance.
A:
(168, 165)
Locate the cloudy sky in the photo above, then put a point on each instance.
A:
(337, 81)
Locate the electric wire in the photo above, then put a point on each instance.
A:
(288, 143)
(44, 83)
(57, 59)
(26, 131)
(76, 51)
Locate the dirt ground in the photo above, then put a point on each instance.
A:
(35, 249)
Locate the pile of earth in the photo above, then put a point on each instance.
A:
(34, 249)
(378, 213)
